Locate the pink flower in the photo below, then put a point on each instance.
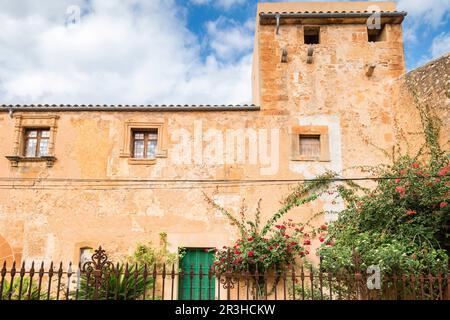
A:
(401, 190)
(398, 180)
(307, 242)
(250, 254)
(321, 239)
(411, 212)
(415, 165)
(402, 171)
(237, 252)
(443, 205)
(324, 227)
(444, 171)
(250, 239)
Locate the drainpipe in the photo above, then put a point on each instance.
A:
(278, 17)
(11, 112)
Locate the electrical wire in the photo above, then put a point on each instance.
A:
(144, 184)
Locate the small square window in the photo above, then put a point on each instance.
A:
(36, 142)
(377, 35)
(309, 145)
(145, 144)
(311, 35)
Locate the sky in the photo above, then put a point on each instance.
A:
(155, 51)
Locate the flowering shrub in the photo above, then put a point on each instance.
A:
(273, 246)
(281, 247)
(403, 225)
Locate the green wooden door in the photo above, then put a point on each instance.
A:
(189, 287)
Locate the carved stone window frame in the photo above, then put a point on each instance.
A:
(321, 131)
(130, 127)
(26, 122)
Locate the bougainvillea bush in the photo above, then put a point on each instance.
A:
(275, 245)
(402, 225)
(280, 248)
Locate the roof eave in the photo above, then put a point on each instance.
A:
(330, 17)
(129, 108)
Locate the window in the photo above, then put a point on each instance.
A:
(85, 256)
(311, 35)
(309, 145)
(34, 140)
(145, 144)
(36, 143)
(377, 35)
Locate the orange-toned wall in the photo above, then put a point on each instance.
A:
(80, 202)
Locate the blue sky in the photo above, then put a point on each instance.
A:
(418, 49)
(155, 52)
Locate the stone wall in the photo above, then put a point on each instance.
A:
(426, 88)
(94, 195)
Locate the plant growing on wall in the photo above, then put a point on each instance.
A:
(273, 246)
(132, 279)
(403, 224)
(151, 255)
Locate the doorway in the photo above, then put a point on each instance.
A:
(194, 287)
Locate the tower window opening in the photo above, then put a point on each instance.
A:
(311, 35)
(377, 35)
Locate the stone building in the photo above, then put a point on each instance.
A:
(329, 92)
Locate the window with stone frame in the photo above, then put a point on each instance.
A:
(34, 140)
(145, 143)
(310, 143)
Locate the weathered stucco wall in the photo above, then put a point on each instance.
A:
(428, 89)
(94, 196)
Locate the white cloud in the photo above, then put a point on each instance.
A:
(425, 15)
(441, 45)
(132, 51)
(230, 39)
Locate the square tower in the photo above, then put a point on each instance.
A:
(318, 57)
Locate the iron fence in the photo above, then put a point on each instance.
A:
(100, 279)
